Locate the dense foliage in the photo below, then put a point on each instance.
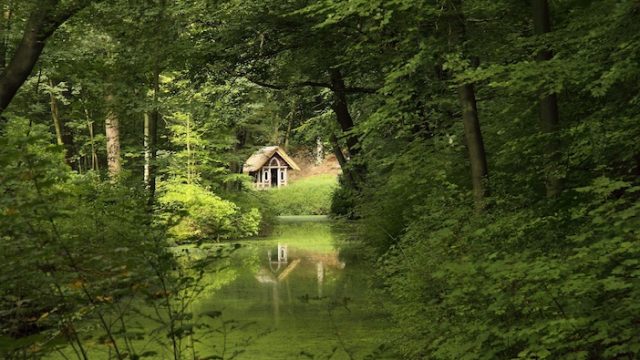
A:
(489, 151)
(531, 273)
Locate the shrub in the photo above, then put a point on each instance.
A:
(343, 202)
(197, 214)
(71, 244)
(539, 282)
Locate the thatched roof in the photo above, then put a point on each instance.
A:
(260, 157)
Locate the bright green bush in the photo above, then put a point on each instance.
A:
(308, 196)
(198, 214)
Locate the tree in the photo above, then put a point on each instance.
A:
(45, 18)
(112, 131)
(467, 98)
(548, 107)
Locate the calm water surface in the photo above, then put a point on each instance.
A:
(300, 294)
(296, 296)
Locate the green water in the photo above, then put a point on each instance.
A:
(302, 293)
(314, 304)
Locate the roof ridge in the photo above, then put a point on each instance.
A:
(264, 154)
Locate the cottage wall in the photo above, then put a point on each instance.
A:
(278, 167)
(269, 167)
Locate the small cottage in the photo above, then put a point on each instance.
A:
(269, 167)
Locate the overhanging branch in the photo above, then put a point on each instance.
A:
(300, 84)
(289, 85)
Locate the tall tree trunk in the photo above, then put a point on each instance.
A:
(112, 131)
(64, 135)
(55, 115)
(94, 153)
(467, 99)
(150, 140)
(341, 109)
(287, 135)
(5, 31)
(42, 22)
(190, 160)
(151, 120)
(548, 107)
(475, 144)
(150, 136)
(236, 164)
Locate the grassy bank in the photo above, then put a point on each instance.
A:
(307, 196)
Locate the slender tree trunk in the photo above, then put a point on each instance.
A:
(55, 115)
(64, 135)
(235, 166)
(151, 120)
(275, 136)
(287, 135)
(341, 109)
(470, 118)
(188, 141)
(112, 131)
(150, 140)
(94, 154)
(475, 144)
(5, 31)
(150, 136)
(549, 115)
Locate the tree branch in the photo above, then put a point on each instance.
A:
(299, 84)
(43, 21)
(288, 85)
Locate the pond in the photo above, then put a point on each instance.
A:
(302, 293)
(299, 297)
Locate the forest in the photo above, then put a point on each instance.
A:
(487, 207)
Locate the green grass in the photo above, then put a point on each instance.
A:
(289, 219)
(308, 196)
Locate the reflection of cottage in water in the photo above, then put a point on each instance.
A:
(269, 167)
(279, 268)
